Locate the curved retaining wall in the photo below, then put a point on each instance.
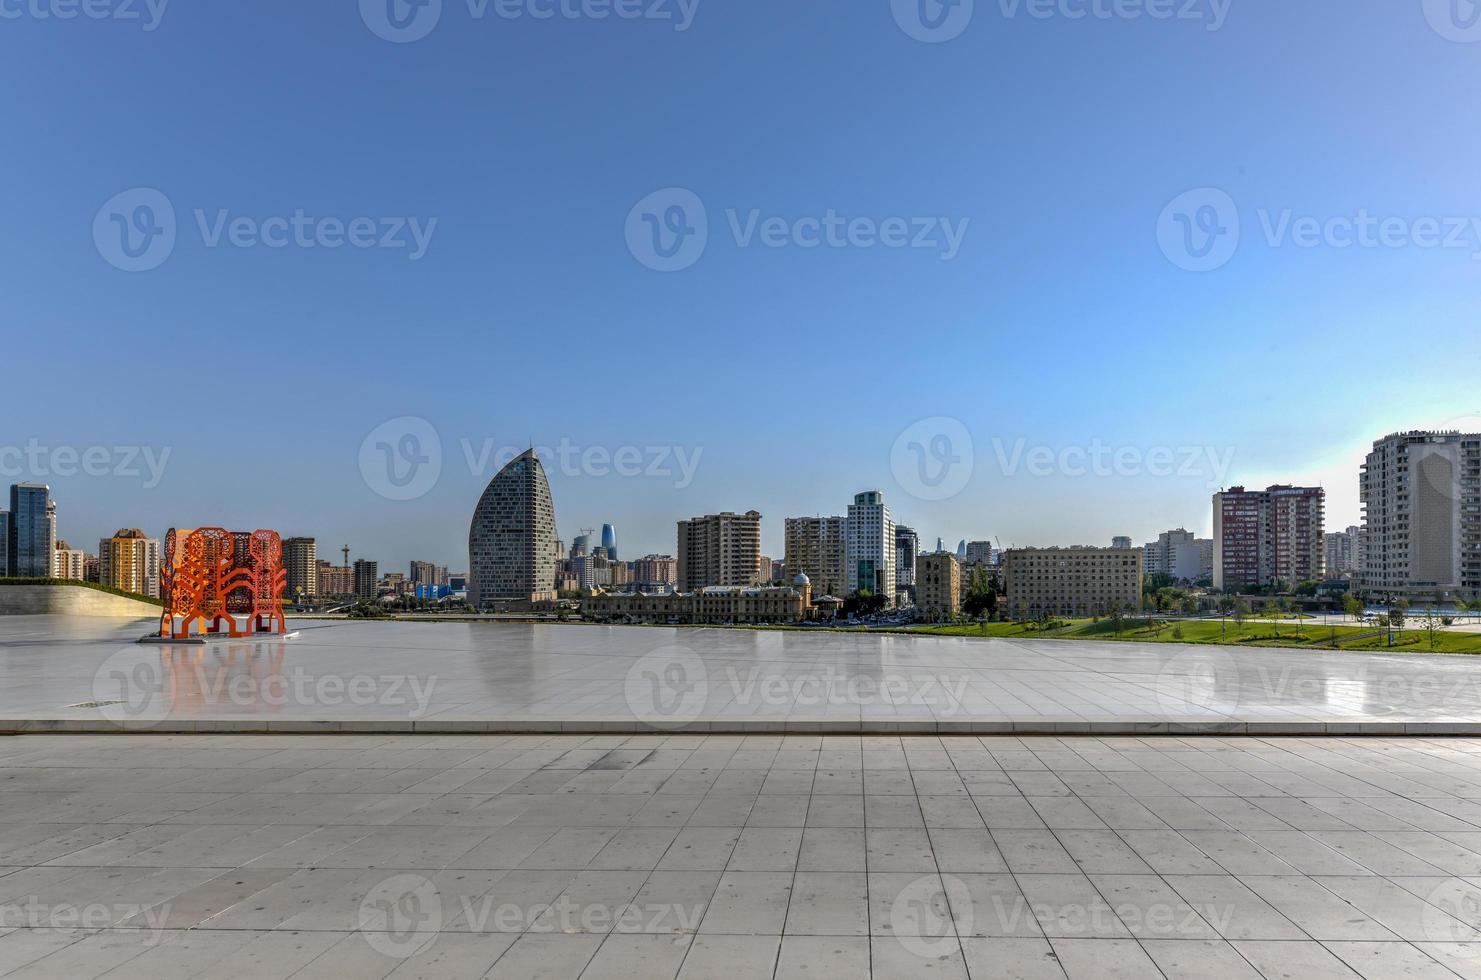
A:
(70, 600)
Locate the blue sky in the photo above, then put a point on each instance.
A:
(789, 377)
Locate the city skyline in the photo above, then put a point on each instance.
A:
(1058, 284)
(650, 530)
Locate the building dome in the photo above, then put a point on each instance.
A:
(801, 580)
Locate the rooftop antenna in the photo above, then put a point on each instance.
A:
(346, 550)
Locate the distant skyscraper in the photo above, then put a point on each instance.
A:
(719, 549)
(1264, 535)
(1180, 554)
(907, 547)
(367, 580)
(979, 552)
(815, 547)
(961, 550)
(511, 540)
(333, 581)
(1421, 494)
(32, 531)
(869, 535)
(609, 541)
(301, 562)
(1122, 541)
(130, 561)
(5, 543)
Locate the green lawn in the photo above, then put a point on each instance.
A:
(1256, 632)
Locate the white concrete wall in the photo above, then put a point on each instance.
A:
(69, 600)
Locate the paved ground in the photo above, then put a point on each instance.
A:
(446, 677)
(734, 857)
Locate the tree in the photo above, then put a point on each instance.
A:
(1118, 619)
(1353, 606)
(1241, 611)
(1020, 611)
(1432, 626)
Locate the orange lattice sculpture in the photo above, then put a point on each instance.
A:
(212, 574)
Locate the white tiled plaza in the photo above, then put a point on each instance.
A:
(90, 675)
(734, 857)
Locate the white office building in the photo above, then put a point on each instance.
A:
(869, 541)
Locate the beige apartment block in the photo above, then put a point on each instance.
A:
(1080, 581)
(816, 548)
(719, 549)
(938, 586)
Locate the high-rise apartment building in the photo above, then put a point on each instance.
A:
(5, 543)
(907, 548)
(938, 586)
(655, 573)
(980, 552)
(1121, 541)
(130, 561)
(333, 581)
(68, 562)
(1181, 555)
(815, 547)
(869, 539)
(512, 539)
(1072, 581)
(1340, 546)
(301, 563)
(31, 532)
(1421, 495)
(719, 549)
(367, 580)
(1264, 535)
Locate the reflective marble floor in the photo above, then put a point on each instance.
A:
(614, 856)
(443, 677)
